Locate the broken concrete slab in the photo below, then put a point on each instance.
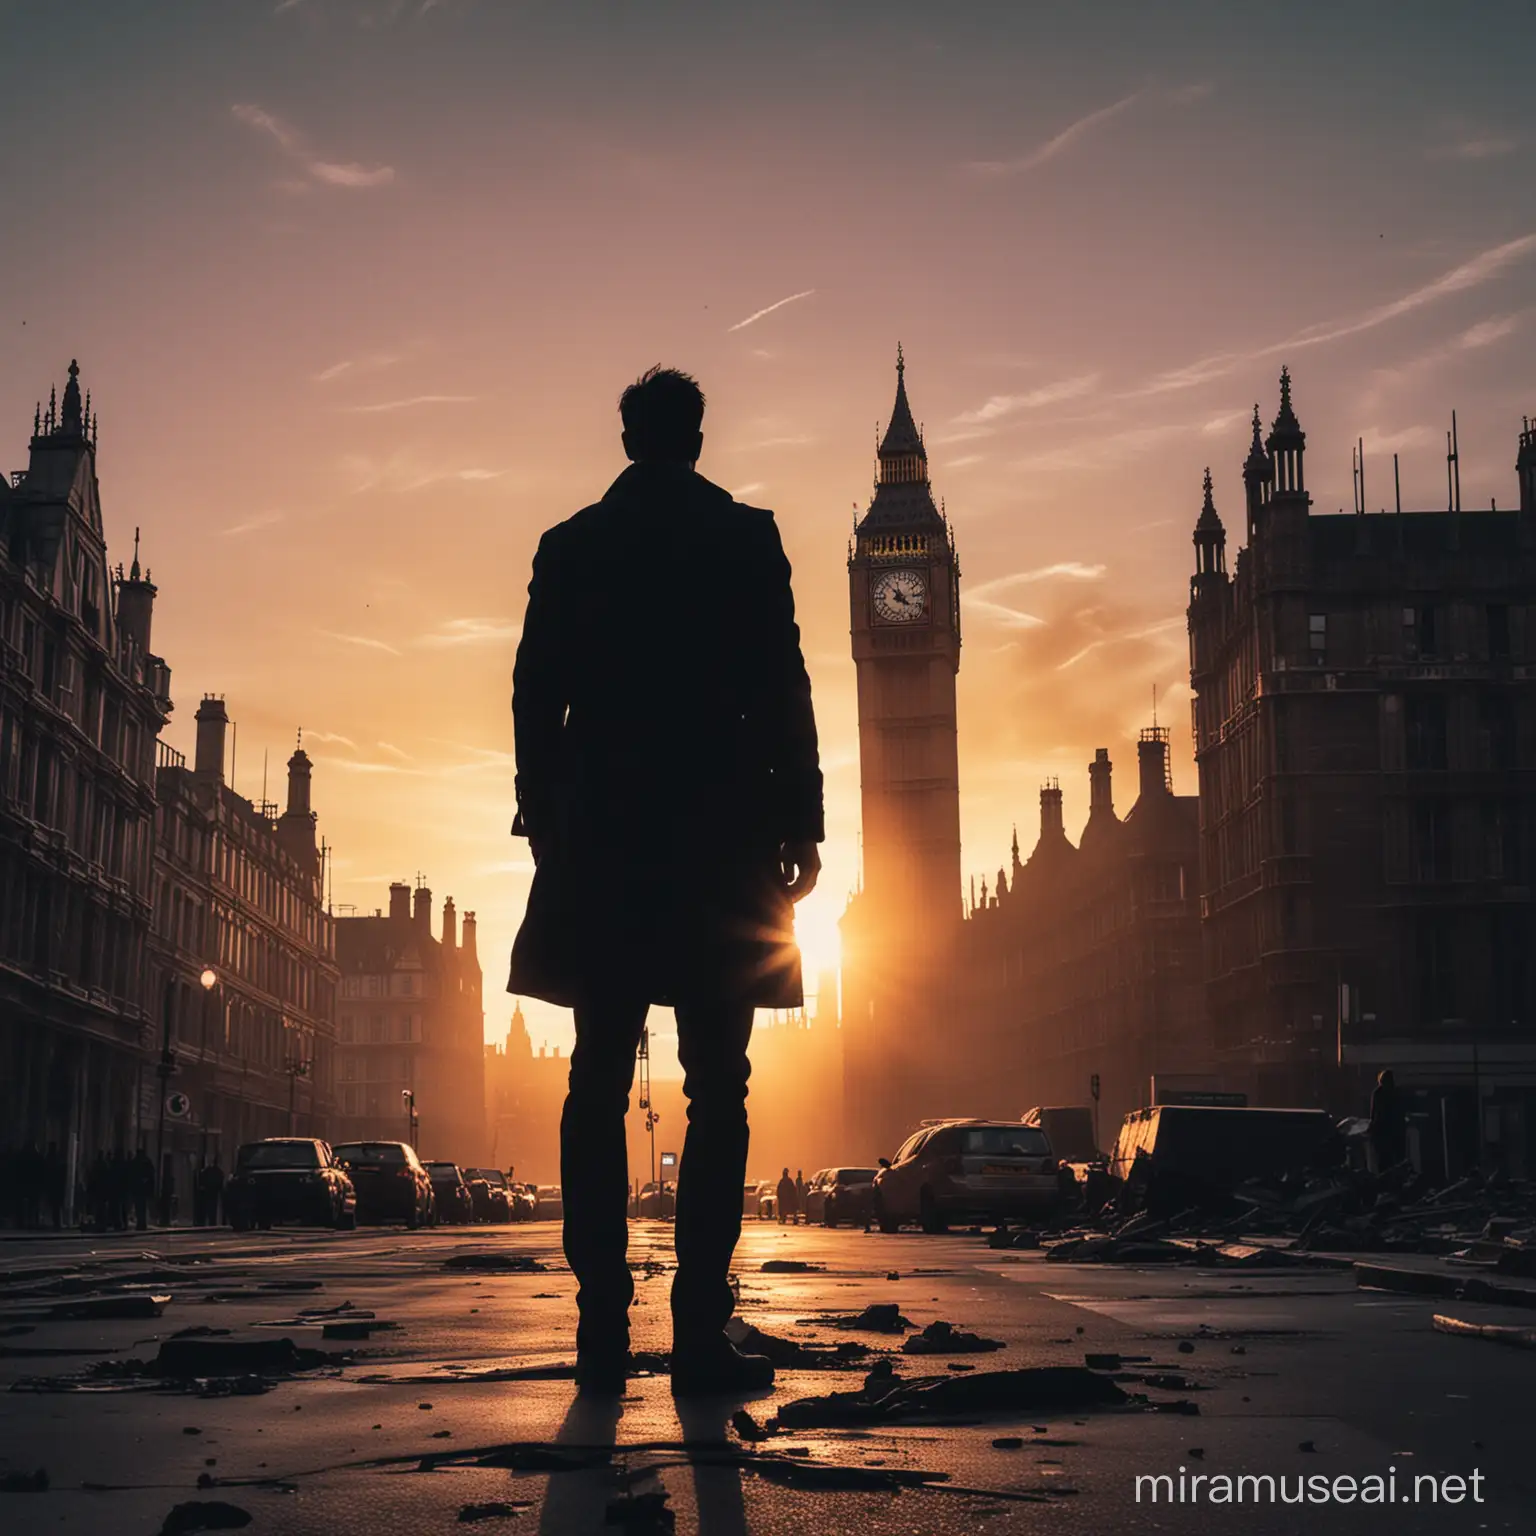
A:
(885, 1400)
(1494, 1333)
(494, 1264)
(942, 1338)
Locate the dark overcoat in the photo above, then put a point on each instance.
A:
(666, 749)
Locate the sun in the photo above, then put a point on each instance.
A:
(816, 930)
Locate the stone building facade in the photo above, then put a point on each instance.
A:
(411, 1019)
(242, 956)
(1365, 732)
(82, 700)
(899, 930)
(1080, 968)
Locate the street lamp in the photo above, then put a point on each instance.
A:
(413, 1124)
(166, 1067)
(208, 981)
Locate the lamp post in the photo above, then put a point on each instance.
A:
(163, 1072)
(207, 981)
(295, 1070)
(412, 1122)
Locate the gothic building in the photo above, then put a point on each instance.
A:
(1366, 743)
(904, 606)
(1080, 969)
(242, 956)
(82, 700)
(411, 1020)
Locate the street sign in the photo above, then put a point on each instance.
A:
(669, 1159)
(178, 1106)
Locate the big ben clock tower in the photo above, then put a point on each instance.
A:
(904, 597)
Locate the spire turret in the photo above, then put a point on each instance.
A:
(902, 455)
(1286, 444)
(1210, 541)
(72, 421)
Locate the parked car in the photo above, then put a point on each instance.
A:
(768, 1200)
(749, 1199)
(492, 1199)
(840, 1194)
(1177, 1155)
(967, 1170)
(288, 1178)
(391, 1183)
(525, 1201)
(450, 1192)
(550, 1202)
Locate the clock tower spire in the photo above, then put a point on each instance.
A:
(904, 601)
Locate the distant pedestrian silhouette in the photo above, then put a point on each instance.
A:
(668, 783)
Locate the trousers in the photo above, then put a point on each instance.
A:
(712, 1040)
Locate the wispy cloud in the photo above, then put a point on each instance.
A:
(1146, 631)
(1472, 273)
(1081, 128)
(393, 750)
(331, 173)
(402, 472)
(330, 738)
(356, 365)
(365, 642)
(471, 632)
(752, 319)
(748, 488)
(1463, 139)
(252, 524)
(1047, 394)
(408, 403)
(985, 601)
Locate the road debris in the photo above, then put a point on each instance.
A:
(496, 1509)
(1495, 1333)
(791, 1267)
(943, 1338)
(204, 1515)
(495, 1263)
(884, 1399)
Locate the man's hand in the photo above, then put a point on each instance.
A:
(800, 863)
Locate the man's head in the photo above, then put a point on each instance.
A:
(663, 411)
(1385, 1078)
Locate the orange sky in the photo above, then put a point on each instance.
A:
(356, 283)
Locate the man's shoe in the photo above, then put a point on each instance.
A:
(602, 1373)
(715, 1368)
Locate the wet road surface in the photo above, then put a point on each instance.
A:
(421, 1427)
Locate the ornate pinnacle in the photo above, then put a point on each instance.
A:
(1285, 389)
(901, 365)
(1209, 505)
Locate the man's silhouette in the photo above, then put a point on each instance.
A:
(668, 783)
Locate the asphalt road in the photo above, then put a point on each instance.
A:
(1295, 1373)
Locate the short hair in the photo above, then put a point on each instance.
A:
(663, 411)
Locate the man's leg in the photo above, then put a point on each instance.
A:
(712, 1045)
(594, 1171)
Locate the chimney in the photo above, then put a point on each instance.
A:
(1525, 467)
(296, 827)
(1152, 760)
(450, 925)
(1101, 796)
(468, 943)
(1051, 823)
(399, 902)
(424, 909)
(212, 721)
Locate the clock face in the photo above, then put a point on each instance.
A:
(901, 597)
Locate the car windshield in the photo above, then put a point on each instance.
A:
(443, 1170)
(491, 1176)
(999, 1141)
(278, 1154)
(370, 1154)
(853, 1176)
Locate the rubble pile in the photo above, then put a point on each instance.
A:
(1489, 1222)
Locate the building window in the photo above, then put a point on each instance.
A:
(1419, 631)
(1426, 731)
(376, 1032)
(1498, 631)
(344, 1029)
(1431, 840)
(1317, 635)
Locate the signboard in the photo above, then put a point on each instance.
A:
(178, 1106)
(669, 1160)
(1203, 1099)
